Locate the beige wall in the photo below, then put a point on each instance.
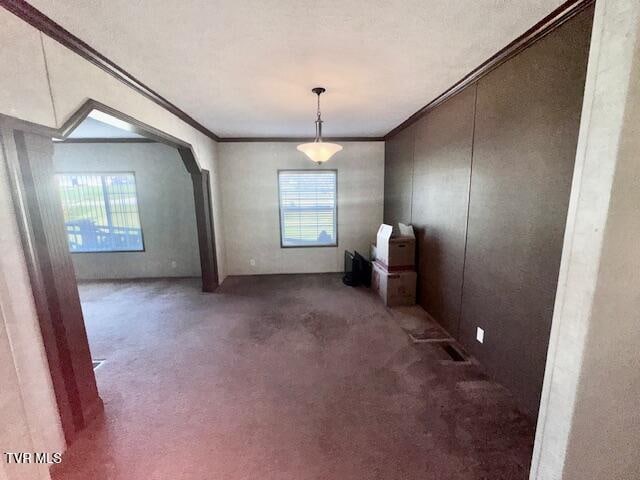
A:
(45, 83)
(250, 206)
(165, 204)
(588, 426)
(48, 83)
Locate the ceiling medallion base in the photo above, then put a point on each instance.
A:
(319, 151)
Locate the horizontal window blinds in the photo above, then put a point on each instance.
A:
(101, 212)
(308, 207)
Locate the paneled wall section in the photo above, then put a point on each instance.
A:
(442, 165)
(485, 178)
(398, 175)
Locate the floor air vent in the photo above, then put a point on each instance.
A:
(454, 354)
(431, 333)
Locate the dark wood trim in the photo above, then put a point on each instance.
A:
(39, 20)
(54, 348)
(131, 124)
(202, 197)
(51, 277)
(107, 140)
(48, 238)
(51, 273)
(204, 222)
(297, 139)
(46, 25)
(545, 26)
(18, 124)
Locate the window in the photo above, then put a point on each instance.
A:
(101, 212)
(308, 208)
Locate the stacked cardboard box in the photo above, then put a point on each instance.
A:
(393, 275)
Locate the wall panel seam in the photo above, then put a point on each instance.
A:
(46, 70)
(466, 230)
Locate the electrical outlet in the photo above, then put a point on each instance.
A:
(174, 264)
(480, 335)
(252, 262)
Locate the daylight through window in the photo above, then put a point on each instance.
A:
(101, 212)
(308, 208)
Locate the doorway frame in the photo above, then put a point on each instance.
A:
(53, 281)
(199, 178)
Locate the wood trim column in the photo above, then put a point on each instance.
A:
(204, 221)
(29, 160)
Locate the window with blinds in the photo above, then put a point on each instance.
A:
(308, 211)
(101, 212)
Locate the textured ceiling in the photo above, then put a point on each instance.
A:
(245, 68)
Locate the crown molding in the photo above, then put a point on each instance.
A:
(106, 140)
(297, 139)
(39, 20)
(545, 26)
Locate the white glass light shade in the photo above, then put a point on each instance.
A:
(319, 152)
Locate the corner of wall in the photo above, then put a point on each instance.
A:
(219, 219)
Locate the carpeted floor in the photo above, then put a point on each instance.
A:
(286, 378)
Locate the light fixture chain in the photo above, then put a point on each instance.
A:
(318, 122)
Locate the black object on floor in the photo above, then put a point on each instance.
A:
(362, 268)
(349, 278)
(357, 270)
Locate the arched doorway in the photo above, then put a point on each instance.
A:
(28, 153)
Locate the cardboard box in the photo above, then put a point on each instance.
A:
(394, 288)
(395, 252)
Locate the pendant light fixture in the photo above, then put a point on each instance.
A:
(319, 151)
